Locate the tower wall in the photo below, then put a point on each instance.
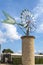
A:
(28, 50)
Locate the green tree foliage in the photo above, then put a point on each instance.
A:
(7, 51)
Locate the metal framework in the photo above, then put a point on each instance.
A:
(26, 24)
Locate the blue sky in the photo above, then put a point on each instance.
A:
(9, 34)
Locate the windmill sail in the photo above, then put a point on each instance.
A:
(8, 19)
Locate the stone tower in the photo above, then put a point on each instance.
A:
(28, 50)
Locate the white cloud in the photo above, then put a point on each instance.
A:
(38, 14)
(17, 18)
(11, 32)
(1, 34)
(35, 51)
(20, 51)
(40, 51)
(38, 10)
(2, 39)
(40, 28)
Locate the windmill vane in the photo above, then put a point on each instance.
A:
(26, 24)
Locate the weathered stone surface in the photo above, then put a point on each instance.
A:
(28, 50)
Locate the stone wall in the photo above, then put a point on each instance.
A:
(28, 50)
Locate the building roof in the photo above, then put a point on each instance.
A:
(19, 54)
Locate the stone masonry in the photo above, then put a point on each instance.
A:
(28, 50)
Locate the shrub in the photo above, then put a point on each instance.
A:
(17, 61)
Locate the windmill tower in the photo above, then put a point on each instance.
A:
(27, 41)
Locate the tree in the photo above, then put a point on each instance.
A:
(7, 51)
(40, 53)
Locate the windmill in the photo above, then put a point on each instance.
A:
(26, 23)
(28, 19)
